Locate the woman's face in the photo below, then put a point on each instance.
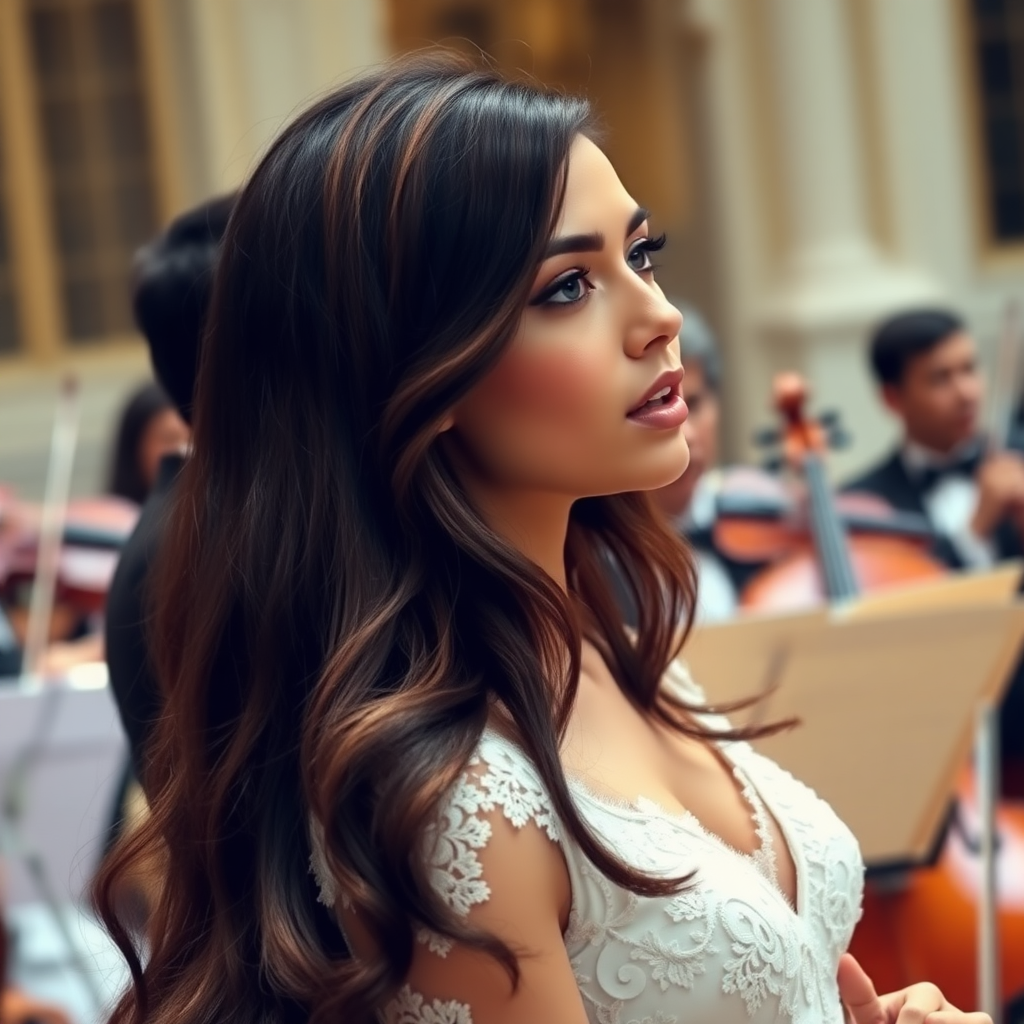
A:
(563, 412)
(166, 433)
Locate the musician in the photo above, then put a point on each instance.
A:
(691, 501)
(173, 277)
(925, 363)
(150, 427)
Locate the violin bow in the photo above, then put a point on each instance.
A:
(63, 441)
(1003, 402)
(1005, 386)
(14, 797)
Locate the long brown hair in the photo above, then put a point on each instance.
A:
(335, 620)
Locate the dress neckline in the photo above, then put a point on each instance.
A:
(763, 860)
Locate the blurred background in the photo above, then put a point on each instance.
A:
(816, 164)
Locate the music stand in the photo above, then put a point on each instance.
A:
(62, 756)
(959, 637)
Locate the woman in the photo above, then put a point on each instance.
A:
(150, 428)
(438, 373)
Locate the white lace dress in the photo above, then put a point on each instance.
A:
(730, 949)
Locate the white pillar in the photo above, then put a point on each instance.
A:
(830, 282)
(832, 270)
(261, 61)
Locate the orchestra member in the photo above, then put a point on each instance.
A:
(172, 283)
(691, 501)
(150, 427)
(925, 363)
(438, 375)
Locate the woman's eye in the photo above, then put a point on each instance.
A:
(568, 290)
(639, 257)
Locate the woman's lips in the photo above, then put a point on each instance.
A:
(670, 412)
(667, 380)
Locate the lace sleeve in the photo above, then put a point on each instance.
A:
(493, 855)
(679, 680)
(499, 780)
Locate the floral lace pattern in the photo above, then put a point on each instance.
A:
(410, 1007)
(729, 948)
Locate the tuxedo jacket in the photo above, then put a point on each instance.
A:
(891, 481)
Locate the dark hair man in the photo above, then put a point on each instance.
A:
(173, 281)
(926, 365)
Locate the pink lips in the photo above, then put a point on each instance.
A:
(664, 413)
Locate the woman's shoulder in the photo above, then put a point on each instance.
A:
(501, 777)
(500, 793)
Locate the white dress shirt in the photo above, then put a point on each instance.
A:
(950, 503)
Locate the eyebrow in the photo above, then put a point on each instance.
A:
(593, 242)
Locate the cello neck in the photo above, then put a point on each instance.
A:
(828, 533)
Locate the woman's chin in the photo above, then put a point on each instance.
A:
(653, 480)
(665, 470)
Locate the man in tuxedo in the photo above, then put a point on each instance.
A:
(925, 363)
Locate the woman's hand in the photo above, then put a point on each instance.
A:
(916, 1004)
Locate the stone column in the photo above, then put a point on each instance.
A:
(258, 62)
(831, 267)
(831, 281)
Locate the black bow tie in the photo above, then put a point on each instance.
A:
(929, 476)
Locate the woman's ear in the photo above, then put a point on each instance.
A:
(447, 423)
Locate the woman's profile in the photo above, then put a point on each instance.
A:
(438, 376)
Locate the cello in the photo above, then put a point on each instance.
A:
(923, 922)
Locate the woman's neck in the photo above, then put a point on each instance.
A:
(535, 524)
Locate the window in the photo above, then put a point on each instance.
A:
(997, 39)
(82, 85)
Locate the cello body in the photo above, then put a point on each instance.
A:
(922, 923)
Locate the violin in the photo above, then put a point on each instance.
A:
(823, 547)
(926, 925)
(61, 556)
(95, 529)
(759, 520)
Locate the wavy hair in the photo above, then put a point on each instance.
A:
(335, 621)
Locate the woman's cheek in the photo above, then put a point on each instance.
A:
(554, 385)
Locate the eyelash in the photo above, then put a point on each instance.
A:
(645, 245)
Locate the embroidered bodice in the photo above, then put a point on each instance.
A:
(728, 949)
